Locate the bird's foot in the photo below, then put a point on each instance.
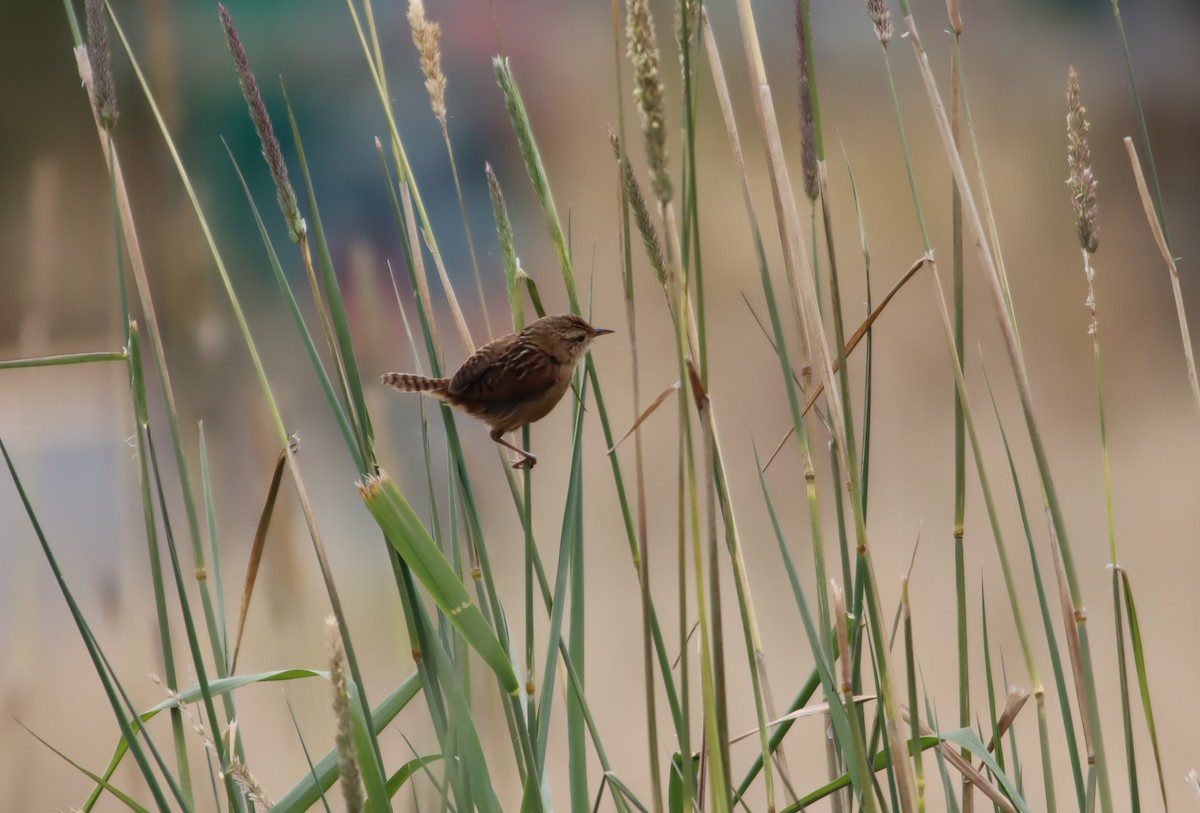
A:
(527, 461)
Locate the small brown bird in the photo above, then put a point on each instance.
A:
(514, 380)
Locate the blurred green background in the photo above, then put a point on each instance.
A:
(67, 427)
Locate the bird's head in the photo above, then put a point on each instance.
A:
(567, 333)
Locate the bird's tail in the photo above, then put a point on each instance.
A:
(405, 382)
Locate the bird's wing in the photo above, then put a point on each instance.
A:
(512, 371)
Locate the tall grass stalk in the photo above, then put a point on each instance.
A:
(1024, 390)
(642, 553)
(789, 225)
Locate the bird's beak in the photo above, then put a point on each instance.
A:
(600, 331)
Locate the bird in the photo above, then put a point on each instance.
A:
(514, 380)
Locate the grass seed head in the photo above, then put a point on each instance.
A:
(881, 18)
(343, 721)
(808, 130)
(266, 133)
(104, 88)
(427, 36)
(1080, 179)
(648, 92)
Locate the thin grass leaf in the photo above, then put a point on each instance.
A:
(1139, 661)
(1159, 211)
(107, 680)
(312, 770)
(846, 731)
(337, 307)
(968, 739)
(137, 386)
(117, 793)
(879, 763)
(571, 532)
(1017, 361)
(68, 358)
(210, 510)
(1060, 683)
(1160, 238)
(289, 298)
(256, 553)
(396, 781)
(577, 756)
(193, 522)
(621, 788)
(675, 781)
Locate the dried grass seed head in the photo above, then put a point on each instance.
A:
(808, 128)
(104, 88)
(648, 92)
(427, 36)
(343, 735)
(1080, 179)
(881, 19)
(266, 132)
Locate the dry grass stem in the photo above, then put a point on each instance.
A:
(1161, 240)
(804, 287)
(427, 35)
(1079, 163)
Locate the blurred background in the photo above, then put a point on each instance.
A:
(69, 427)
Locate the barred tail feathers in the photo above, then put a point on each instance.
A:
(406, 382)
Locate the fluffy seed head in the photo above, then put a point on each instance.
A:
(881, 18)
(104, 89)
(648, 93)
(266, 133)
(427, 36)
(343, 735)
(1080, 179)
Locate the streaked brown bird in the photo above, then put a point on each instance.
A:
(514, 380)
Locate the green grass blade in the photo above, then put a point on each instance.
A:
(337, 307)
(847, 733)
(571, 531)
(118, 794)
(293, 306)
(396, 781)
(576, 729)
(108, 681)
(312, 769)
(67, 358)
(213, 540)
(189, 623)
(412, 541)
(1060, 680)
(1139, 661)
(141, 416)
(880, 762)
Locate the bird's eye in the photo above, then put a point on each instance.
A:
(579, 339)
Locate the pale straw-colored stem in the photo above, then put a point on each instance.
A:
(1161, 240)
(789, 225)
(1008, 331)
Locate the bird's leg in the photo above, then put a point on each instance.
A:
(527, 458)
